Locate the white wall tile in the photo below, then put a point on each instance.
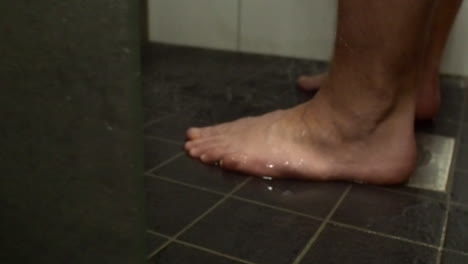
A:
(456, 54)
(204, 23)
(298, 28)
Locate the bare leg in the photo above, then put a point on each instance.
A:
(428, 99)
(359, 126)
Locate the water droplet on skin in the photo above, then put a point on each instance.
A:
(286, 163)
(271, 166)
(301, 161)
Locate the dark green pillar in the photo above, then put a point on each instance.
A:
(70, 132)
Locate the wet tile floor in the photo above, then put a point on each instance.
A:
(200, 214)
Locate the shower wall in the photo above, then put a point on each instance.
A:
(295, 28)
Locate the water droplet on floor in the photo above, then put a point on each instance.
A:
(267, 178)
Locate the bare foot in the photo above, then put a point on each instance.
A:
(427, 101)
(312, 141)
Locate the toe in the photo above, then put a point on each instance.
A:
(203, 142)
(199, 147)
(194, 133)
(213, 155)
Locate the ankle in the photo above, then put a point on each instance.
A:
(358, 115)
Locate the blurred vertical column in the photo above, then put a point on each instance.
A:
(71, 184)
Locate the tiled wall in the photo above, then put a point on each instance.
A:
(296, 28)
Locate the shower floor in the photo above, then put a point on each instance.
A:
(200, 214)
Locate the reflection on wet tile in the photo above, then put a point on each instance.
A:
(457, 229)
(254, 233)
(454, 258)
(311, 198)
(170, 207)
(153, 242)
(157, 151)
(392, 213)
(434, 160)
(192, 171)
(180, 254)
(344, 246)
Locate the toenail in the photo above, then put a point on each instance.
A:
(188, 144)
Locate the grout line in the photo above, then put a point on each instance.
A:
(421, 196)
(209, 210)
(212, 251)
(199, 247)
(185, 184)
(157, 233)
(459, 204)
(322, 227)
(169, 160)
(450, 186)
(299, 213)
(277, 208)
(457, 252)
(356, 228)
(239, 25)
(164, 139)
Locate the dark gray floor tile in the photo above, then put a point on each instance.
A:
(465, 120)
(170, 207)
(457, 229)
(392, 213)
(162, 96)
(180, 254)
(462, 158)
(197, 66)
(344, 246)
(454, 258)
(174, 127)
(223, 108)
(459, 187)
(452, 90)
(258, 234)
(439, 127)
(157, 151)
(464, 135)
(192, 171)
(450, 111)
(311, 198)
(153, 242)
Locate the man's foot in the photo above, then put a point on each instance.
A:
(314, 141)
(427, 101)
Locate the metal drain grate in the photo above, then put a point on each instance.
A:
(434, 159)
